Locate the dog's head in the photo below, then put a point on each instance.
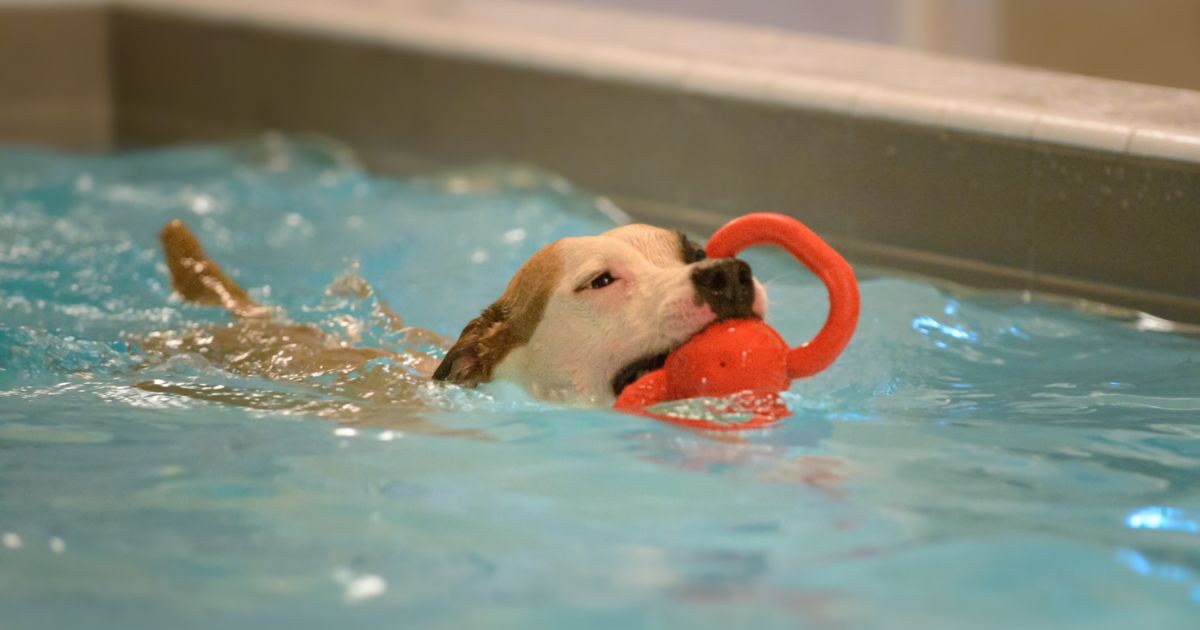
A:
(584, 317)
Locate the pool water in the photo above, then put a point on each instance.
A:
(973, 460)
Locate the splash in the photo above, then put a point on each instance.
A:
(85, 286)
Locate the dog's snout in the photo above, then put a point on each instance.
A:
(727, 287)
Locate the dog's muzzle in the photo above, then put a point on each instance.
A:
(727, 287)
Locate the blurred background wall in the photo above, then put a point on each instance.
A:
(1147, 41)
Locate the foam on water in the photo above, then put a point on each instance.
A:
(972, 460)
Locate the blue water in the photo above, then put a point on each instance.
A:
(973, 460)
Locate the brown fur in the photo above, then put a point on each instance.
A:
(506, 324)
(197, 278)
(258, 344)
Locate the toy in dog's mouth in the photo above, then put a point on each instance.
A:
(727, 301)
(651, 362)
(744, 355)
(637, 369)
(727, 287)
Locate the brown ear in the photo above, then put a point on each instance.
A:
(481, 346)
(508, 323)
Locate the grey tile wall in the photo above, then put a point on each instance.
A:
(969, 207)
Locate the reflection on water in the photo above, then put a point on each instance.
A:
(972, 460)
(1158, 517)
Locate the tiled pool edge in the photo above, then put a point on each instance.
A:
(716, 59)
(981, 199)
(942, 201)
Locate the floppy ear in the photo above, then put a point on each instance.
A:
(481, 346)
(508, 323)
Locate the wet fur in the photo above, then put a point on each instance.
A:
(261, 343)
(545, 333)
(505, 325)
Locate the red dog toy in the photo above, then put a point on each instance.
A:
(747, 357)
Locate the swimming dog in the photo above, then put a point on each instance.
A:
(580, 320)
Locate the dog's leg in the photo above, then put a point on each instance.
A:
(198, 279)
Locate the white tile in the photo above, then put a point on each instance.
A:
(1087, 134)
(991, 120)
(621, 64)
(1167, 145)
(814, 92)
(729, 80)
(893, 105)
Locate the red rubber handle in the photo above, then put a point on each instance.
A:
(761, 228)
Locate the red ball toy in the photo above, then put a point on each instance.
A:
(745, 359)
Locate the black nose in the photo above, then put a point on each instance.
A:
(727, 287)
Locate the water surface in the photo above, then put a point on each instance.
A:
(971, 461)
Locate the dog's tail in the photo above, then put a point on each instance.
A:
(198, 279)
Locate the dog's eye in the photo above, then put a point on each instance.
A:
(602, 280)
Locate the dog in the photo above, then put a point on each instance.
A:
(583, 318)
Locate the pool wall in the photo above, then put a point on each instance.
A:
(55, 84)
(986, 175)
